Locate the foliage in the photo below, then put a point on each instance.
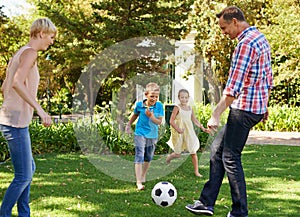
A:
(100, 24)
(285, 42)
(101, 135)
(59, 138)
(10, 41)
(281, 118)
(69, 185)
(278, 19)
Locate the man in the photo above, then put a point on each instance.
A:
(246, 93)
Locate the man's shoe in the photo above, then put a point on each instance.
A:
(229, 215)
(199, 209)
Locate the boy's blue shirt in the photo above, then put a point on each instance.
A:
(145, 127)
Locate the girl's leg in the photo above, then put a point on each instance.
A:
(172, 156)
(195, 164)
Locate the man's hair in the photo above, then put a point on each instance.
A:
(231, 12)
(42, 24)
(152, 87)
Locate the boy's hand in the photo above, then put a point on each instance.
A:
(148, 113)
(128, 129)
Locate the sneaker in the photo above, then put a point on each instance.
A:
(229, 215)
(199, 209)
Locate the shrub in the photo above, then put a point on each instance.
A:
(102, 136)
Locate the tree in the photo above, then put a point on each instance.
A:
(86, 29)
(284, 38)
(277, 19)
(10, 41)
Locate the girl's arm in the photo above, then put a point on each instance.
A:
(172, 120)
(197, 123)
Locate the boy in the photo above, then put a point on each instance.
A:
(149, 113)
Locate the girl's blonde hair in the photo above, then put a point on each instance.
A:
(42, 24)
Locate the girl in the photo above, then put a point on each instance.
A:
(183, 136)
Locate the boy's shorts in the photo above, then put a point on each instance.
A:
(144, 149)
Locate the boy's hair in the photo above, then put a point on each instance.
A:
(42, 24)
(183, 91)
(152, 87)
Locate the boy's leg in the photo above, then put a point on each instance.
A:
(138, 175)
(140, 143)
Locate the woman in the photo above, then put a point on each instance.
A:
(19, 101)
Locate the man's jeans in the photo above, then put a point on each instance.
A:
(21, 156)
(226, 156)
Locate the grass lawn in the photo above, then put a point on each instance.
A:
(68, 185)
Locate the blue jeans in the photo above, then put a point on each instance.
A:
(19, 144)
(226, 157)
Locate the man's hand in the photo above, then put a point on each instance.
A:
(213, 124)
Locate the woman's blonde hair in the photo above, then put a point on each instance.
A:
(42, 24)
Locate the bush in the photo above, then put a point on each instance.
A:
(281, 119)
(102, 137)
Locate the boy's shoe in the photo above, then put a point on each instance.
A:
(199, 209)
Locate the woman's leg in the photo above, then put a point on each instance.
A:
(20, 151)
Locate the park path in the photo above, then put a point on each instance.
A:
(274, 138)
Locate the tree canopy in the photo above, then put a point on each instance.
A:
(86, 28)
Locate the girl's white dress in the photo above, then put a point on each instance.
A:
(188, 140)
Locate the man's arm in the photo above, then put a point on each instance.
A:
(223, 104)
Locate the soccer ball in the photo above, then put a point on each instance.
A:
(164, 194)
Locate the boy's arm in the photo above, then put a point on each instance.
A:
(128, 125)
(151, 116)
(155, 120)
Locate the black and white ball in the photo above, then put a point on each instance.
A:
(164, 194)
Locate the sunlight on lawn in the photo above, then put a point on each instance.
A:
(48, 205)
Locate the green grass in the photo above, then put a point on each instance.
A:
(68, 185)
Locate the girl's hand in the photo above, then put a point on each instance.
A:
(180, 130)
(206, 130)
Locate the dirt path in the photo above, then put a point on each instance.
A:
(274, 138)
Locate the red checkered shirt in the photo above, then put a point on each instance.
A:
(250, 74)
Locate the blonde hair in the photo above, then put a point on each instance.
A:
(42, 24)
(152, 87)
